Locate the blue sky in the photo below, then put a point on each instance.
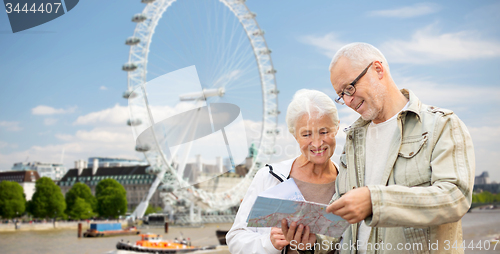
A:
(62, 81)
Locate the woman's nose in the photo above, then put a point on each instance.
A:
(317, 141)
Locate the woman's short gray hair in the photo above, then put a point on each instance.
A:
(310, 102)
(359, 54)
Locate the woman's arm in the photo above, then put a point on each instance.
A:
(242, 239)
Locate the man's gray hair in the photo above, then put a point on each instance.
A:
(313, 103)
(360, 54)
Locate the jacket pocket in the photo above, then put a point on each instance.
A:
(342, 178)
(412, 167)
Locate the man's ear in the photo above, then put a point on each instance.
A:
(379, 68)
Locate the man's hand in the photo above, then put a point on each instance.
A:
(296, 235)
(278, 238)
(354, 206)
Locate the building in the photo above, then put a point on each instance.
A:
(54, 171)
(484, 178)
(115, 162)
(483, 183)
(26, 179)
(134, 179)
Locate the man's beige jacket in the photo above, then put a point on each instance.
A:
(426, 187)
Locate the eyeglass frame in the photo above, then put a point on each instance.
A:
(339, 100)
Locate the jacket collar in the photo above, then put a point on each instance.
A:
(414, 106)
(283, 168)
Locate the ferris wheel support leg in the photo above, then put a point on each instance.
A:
(170, 210)
(141, 209)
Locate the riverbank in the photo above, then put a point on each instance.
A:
(63, 241)
(479, 228)
(40, 226)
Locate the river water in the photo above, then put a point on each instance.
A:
(479, 225)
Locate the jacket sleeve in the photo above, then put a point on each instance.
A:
(449, 195)
(242, 239)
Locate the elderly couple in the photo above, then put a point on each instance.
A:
(404, 179)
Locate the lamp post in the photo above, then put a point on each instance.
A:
(15, 222)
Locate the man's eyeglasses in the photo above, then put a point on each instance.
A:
(350, 89)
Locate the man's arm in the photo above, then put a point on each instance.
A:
(450, 194)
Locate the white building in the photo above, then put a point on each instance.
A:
(54, 171)
(26, 179)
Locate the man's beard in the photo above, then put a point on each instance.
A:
(374, 110)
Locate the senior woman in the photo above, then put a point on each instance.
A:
(313, 120)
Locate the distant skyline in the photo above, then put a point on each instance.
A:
(62, 81)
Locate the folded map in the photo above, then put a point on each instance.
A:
(268, 212)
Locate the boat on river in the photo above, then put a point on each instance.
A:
(109, 229)
(153, 243)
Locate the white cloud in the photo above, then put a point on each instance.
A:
(327, 44)
(103, 88)
(116, 115)
(64, 137)
(106, 135)
(10, 126)
(109, 137)
(101, 141)
(429, 45)
(419, 9)
(47, 110)
(426, 46)
(50, 121)
(448, 95)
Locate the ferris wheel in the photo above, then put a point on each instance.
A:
(219, 43)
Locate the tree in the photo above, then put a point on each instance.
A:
(111, 198)
(79, 210)
(48, 200)
(12, 201)
(152, 209)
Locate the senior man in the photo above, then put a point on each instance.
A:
(407, 170)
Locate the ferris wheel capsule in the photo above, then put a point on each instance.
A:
(132, 41)
(142, 148)
(129, 94)
(138, 18)
(134, 122)
(166, 188)
(129, 67)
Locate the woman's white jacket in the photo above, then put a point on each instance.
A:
(242, 239)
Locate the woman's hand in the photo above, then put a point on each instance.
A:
(278, 238)
(296, 235)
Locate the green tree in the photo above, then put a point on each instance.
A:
(83, 192)
(152, 209)
(111, 198)
(12, 201)
(81, 209)
(48, 200)
(475, 198)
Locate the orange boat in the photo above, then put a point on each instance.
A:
(155, 244)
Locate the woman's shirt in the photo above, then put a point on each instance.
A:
(315, 192)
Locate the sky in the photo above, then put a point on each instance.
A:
(62, 81)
